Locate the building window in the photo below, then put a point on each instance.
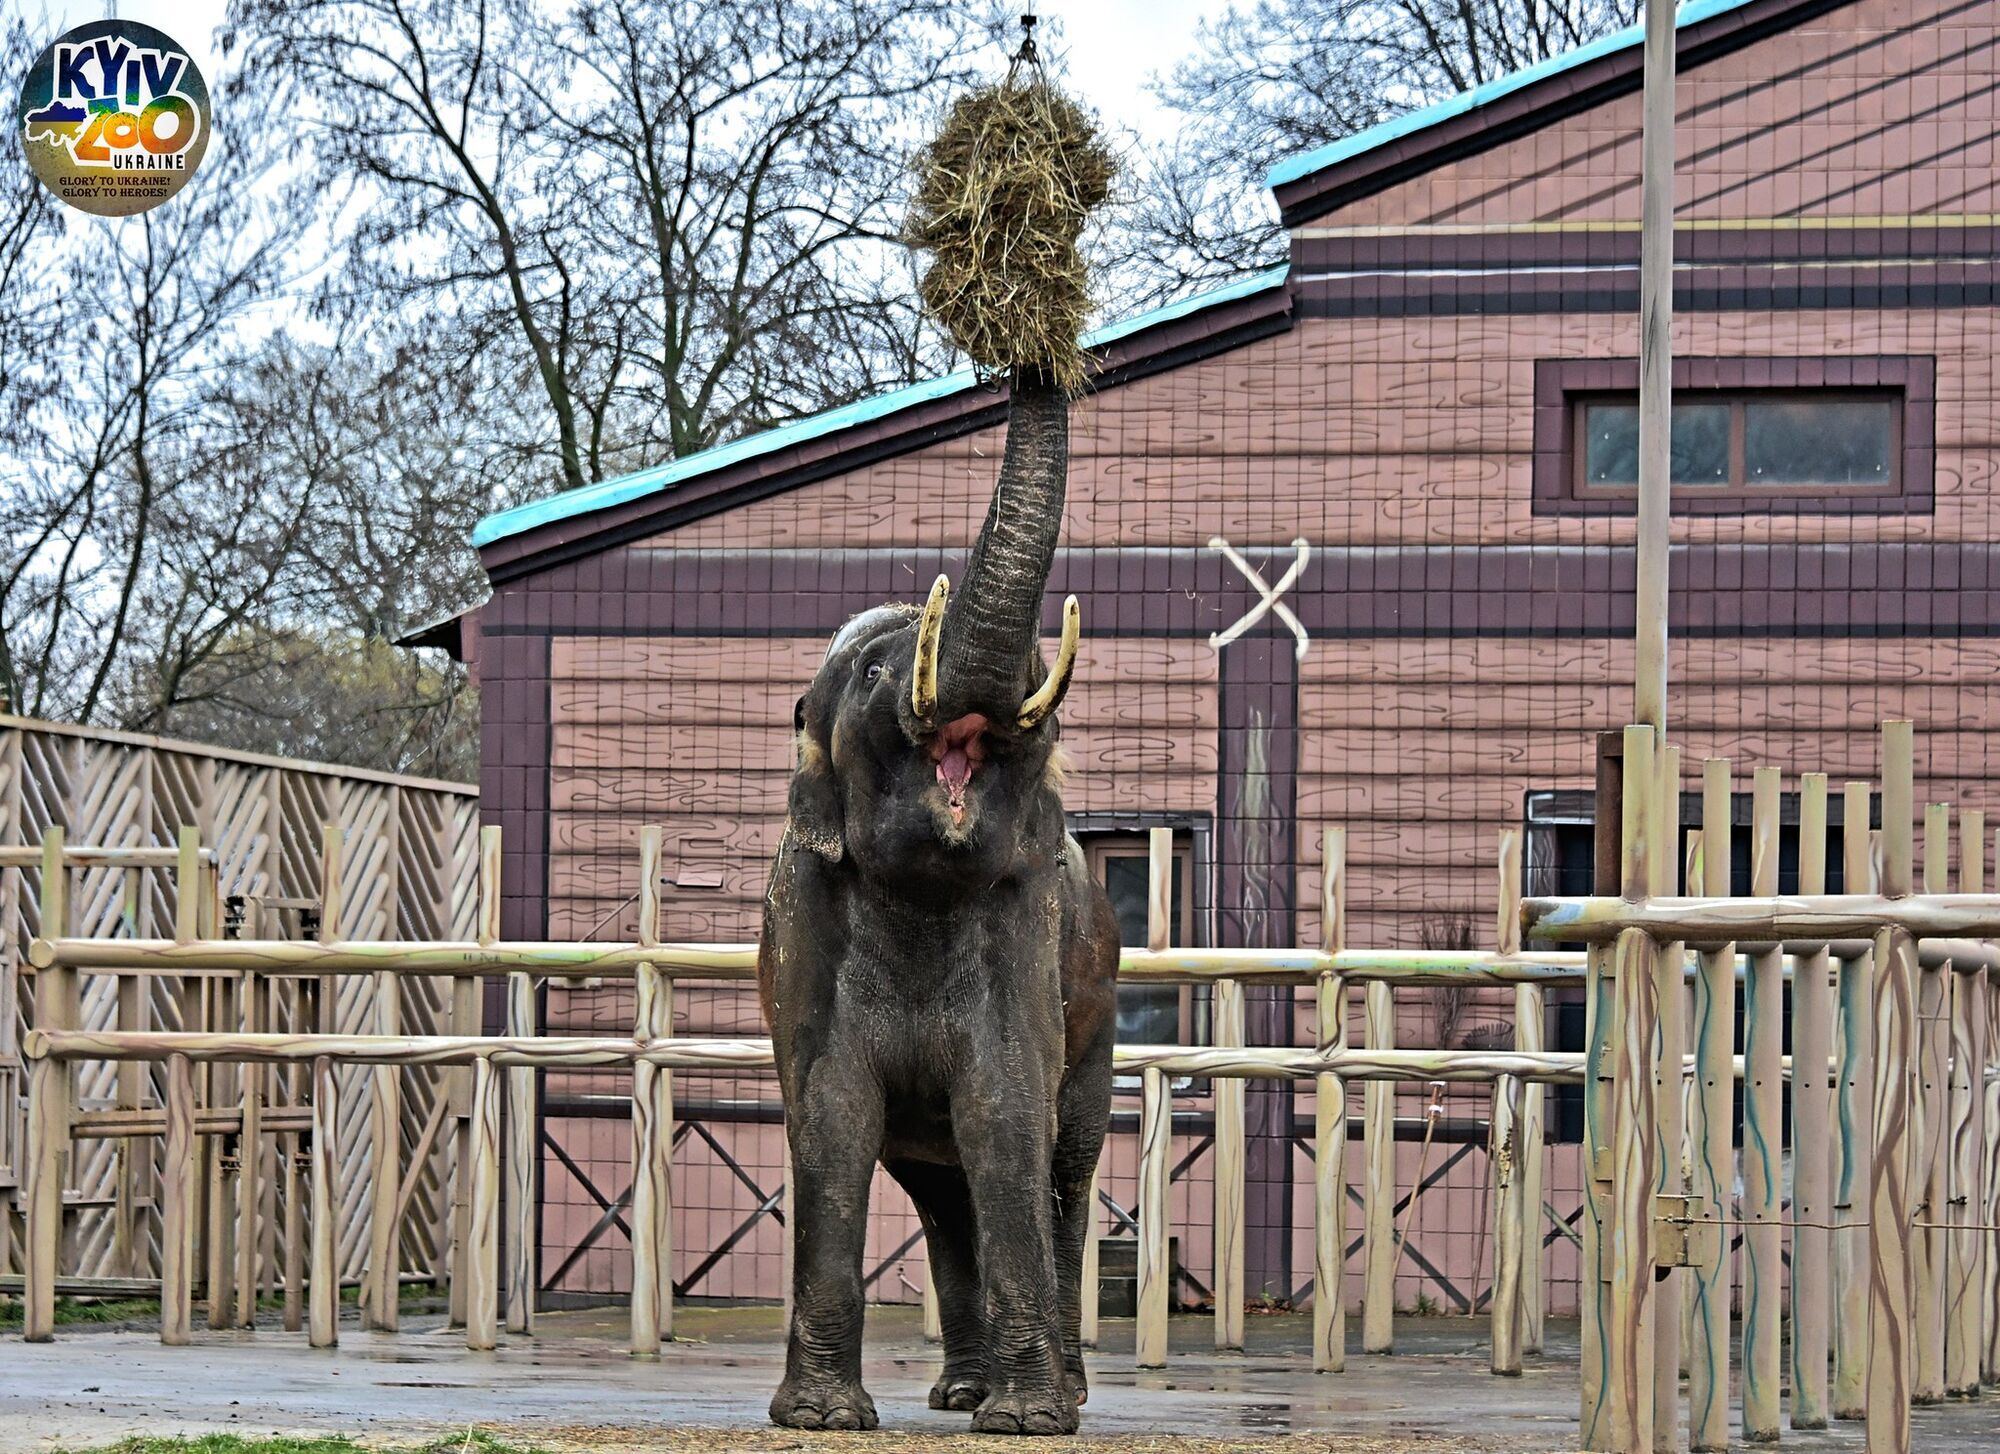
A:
(1809, 435)
(1150, 1014)
(1778, 443)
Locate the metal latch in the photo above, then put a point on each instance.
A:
(1684, 1233)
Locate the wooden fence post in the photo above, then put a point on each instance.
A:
(177, 1189)
(1509, 1175)
(385, 1136)
(1230, 1151)
(1763, 1135)
(1965, 1252)
(1330, 1122)
(652, 1140)
(1668, 1077)
(1932, 1171)
(1812, 1168)
(1378, 1185)
(1990, 1195)
(482, 1243)
(1155, 1272)
(323, 1278)
(1853, 1115)
(522, 1155)
(1531, 1035)
(467, 1017)
(1156, 1130)
(51, 1095)
(1891, 1191)
(1090, 1293)
(1629, 1373)
(1712, 1134)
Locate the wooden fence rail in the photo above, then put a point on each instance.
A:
(1853, 961)
(1891, 1156)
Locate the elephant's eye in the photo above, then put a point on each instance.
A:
(874, 670)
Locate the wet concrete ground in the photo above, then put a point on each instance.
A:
(573, 1386)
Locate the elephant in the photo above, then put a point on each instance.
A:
(939, 972)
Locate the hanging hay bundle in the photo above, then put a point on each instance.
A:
(1002, 198)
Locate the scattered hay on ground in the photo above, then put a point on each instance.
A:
(679, 1440)
(1002, 197)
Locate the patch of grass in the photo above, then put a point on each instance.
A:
(73, 1311)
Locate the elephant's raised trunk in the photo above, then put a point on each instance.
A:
(988, 660)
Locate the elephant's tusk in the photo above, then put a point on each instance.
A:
(930, 631)
(1050, 694)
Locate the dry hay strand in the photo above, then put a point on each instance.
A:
(1002, 197)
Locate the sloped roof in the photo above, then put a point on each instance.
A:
(664, 478)
(1318, 181)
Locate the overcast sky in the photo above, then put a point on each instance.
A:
(1112, 45)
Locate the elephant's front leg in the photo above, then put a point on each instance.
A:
(1003, 1139)
(834, 1124)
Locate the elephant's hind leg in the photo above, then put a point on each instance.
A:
(944, 1205)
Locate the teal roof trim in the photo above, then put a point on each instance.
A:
(1693, 12)
(572, 503)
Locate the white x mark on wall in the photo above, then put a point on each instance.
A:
(1271, 594)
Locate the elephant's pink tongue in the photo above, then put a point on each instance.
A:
(954, 769)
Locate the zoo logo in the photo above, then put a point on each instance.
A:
(114, 117)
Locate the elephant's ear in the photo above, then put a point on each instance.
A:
(814, 818)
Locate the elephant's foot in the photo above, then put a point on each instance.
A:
(1074, 1379)
(960, 1388)
(803, 1403)
(1028, 1411)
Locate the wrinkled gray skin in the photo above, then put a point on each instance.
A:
(939, 973)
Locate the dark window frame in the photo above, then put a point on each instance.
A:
(1103, 834)
(1563, 386)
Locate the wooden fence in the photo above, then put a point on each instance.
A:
(120, 799)
(1892, 1025)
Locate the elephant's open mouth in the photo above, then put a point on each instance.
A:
(957, 751)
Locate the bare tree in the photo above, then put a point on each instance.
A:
(125, 539)
(1282, 77)
(678, 216)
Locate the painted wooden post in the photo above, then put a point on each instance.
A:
(323, 1280)
(1378, 1187)
(1990, 1196)
(1669, 970)
(1763, 1136)
(1965, 1251)
(1330, 1123)
(177, 1207)
(482, 1243)
(652, 1142)
(1932, 1172)
(1812, 1170)
(1600, 1014)
(254, 1015)
(1853, 1116)
(1509, 1204)
(522, 1171)
(51, 1095)
(1714, 1159)
(1634, 1150)
(1090, 1292)
(1891, 1191)
(1156, 1134)
(1230, 1149)
(1155, 1273)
